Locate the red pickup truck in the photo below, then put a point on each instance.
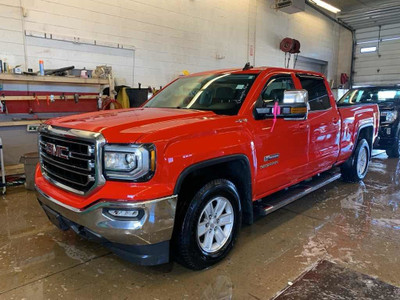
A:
(180, 175)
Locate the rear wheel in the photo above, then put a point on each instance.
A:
(394, 151)
(208, 229)
(356, 167)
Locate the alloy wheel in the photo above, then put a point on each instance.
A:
(362, 162)
(215, 224)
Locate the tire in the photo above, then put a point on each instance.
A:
(195, 229)
(356, 167)
(394, 151)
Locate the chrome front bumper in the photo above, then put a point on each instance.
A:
(153, 227)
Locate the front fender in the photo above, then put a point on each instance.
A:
(179, 156)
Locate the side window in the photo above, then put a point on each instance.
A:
(317, 93)
(275, 88)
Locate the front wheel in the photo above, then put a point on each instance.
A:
(356, 167)
(208, 228)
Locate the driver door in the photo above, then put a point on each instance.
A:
(281, 149)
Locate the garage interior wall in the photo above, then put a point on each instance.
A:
(318, 35)
(174, 35)
(344, 53)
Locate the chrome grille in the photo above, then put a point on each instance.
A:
(70, 158)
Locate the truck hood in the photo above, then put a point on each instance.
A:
(388, 105)
(129, 125)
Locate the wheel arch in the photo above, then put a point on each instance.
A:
(365, 131)
(235, 168)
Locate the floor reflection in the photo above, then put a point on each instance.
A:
(354, 225)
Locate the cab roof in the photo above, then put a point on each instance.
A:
(256, 70)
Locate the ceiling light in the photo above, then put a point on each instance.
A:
(327, 6)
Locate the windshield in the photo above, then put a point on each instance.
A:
(223, 93)
(370, 95)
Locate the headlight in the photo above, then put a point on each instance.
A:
(390, 115)
(129, 162)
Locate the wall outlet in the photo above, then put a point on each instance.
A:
(32, 127)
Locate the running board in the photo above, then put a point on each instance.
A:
(282, 198)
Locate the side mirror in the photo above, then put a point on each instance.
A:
(294, 106)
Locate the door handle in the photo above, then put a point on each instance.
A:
(335, 120)
(302, 126)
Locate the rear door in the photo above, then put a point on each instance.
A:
(324, 120)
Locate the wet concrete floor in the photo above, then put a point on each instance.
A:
(328, 280)
(356, 226)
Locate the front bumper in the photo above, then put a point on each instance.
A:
(388, 135)
(153, 228)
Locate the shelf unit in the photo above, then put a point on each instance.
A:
(28, 100)
(53, 79)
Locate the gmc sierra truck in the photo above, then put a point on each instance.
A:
(180, 175)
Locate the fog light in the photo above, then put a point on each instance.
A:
(125, 213)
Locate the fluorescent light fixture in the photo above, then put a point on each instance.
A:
(368, 49)
(327, 6)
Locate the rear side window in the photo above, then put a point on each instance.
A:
(317, 92)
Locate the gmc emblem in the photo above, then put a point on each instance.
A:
(57, 151)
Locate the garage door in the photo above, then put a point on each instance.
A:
(377, 63)
(310, 64)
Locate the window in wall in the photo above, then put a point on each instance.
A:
(368, 49)
(317, 92)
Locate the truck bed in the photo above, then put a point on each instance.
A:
(354, 118)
